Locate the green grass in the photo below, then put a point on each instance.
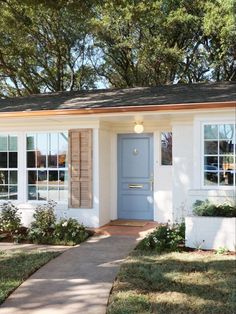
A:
(186, 282)
(15, 267)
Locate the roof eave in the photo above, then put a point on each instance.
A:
(120, 109)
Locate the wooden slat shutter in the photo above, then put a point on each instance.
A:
(80, 168)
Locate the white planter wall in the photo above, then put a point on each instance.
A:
(210, 232)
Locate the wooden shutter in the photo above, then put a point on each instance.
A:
(80, 168)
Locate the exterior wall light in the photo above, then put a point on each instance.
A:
(138, 127)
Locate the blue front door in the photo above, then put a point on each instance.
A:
(135, 176)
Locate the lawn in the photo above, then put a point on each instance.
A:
(15, 267)
(185, 282)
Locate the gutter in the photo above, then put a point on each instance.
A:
(144, 108)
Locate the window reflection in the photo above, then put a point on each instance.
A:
(166, 148)
(8, 167)
(219, 154)
(46, 154)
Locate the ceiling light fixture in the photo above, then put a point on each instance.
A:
(138, 127)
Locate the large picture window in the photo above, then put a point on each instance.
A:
(219, 155)
(47, 168)
(8, 167)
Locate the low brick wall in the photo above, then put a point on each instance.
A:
(210, 232)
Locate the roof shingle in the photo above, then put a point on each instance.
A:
(140, 96)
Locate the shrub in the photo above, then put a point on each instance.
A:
(10, 220)
(164, 238)
(42, 228)
(206, 208)
(70, 231)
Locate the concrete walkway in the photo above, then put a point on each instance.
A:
(76, 282)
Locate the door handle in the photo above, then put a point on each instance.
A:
(151, 182)
(135, 186)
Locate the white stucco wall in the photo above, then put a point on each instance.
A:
(210, 233)
(162, 182)
(182, 175)
(105, 175)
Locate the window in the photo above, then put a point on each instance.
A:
(8, 167)
(219, 155)
(47, 168)
(166, 148)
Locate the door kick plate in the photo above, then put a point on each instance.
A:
(135, 186)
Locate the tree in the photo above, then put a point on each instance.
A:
(49, 45)
(43, 46)
(151, 42)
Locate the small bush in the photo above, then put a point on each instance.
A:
(69, 231)
(164, 238)
(206, 208)
(10, 221)
(42, 228)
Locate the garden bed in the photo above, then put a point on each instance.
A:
(212, 227)
(210, 232)
(44, 229)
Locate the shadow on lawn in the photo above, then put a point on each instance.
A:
(201, 285)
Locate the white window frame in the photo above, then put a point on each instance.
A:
(26, 169)
(160, 146)
(13, 169)
(22, 166)
(214, 187)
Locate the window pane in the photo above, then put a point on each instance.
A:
(63, 177)
(226, 147)
(220, 168)
(42, 177)
(227, 163)
(227, 178)
(3, 160)
(211, 131)
(211, 163)
(53, 150)
(32, 176)
(31, 142)
(211, 147)
(13, 177)
(166, 148)
(52, 161)
(226, 131)
(12, 160)
(41, 160)
(63, 194)
(32, 195)
(3, 177)
(12, 143)
(210, 178)
(53, 177)
(53, 193)
(3, 192)
(42, 145)
(44, 183)
(63, 148)
(3, 143)
(41, 150)
(42, 193)
(13, 192)
(31, 160)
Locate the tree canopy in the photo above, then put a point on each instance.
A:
(75, 44)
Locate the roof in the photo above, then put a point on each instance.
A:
(199, 93)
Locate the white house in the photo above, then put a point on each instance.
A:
(80, 149)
